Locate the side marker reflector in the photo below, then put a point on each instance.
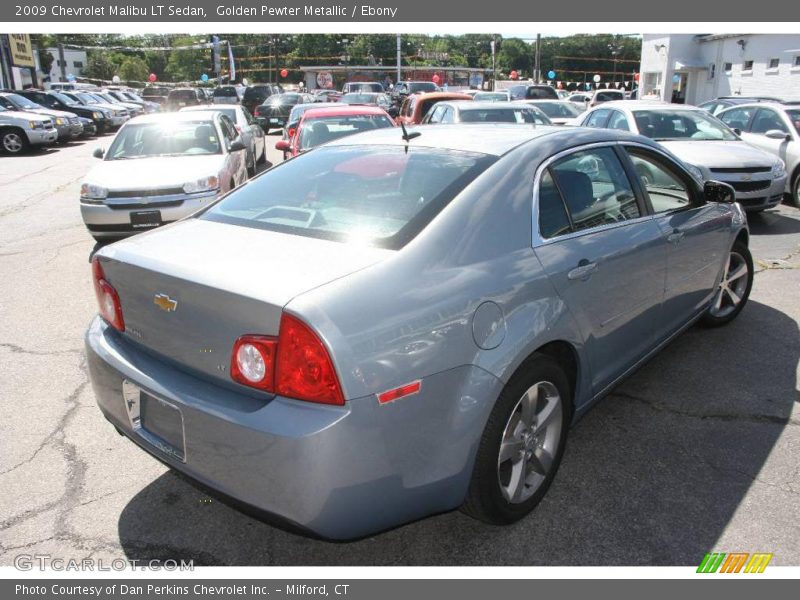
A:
(400, 392)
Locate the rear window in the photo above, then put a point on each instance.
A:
(541, 93)
(256, 92)
(503, 115)
(227, 91)
(183, 94)
(379, 195)
(558, 110)
(318, 131)
(608, 96)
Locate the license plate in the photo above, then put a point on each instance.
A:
(274, 120)
(157, 421)
(145, 219)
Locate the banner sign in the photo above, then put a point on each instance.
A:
(21, 50)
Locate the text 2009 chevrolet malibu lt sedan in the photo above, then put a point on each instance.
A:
(382, 329)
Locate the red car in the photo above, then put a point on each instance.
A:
(320, 125)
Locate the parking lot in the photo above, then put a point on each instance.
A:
(697, 451)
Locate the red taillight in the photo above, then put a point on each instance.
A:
(107, 298)
(296, 365)
(304, 369)
(253, 361)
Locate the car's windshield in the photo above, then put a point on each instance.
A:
(109, 98)
(64, 98)
(521, 114)
(665, 124)
(379, 195)
(558, 110)
(22, 101)
(365, 87)
(231, 113)
(174, 138)
(317, 131)
(794, 117)
(608, 96)
(490, 97)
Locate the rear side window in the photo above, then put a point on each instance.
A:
(597, 118)
(379, 195)
(737, 118)
(594, 189)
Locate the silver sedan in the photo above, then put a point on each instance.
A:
(397, 324)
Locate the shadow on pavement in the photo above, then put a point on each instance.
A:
(774, 223)
(651, 476)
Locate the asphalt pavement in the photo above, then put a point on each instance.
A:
(698, 451)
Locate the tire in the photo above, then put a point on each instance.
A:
(251, 166)
(796, 190)
(724, 307)
(262, 160)
(493, 496)
(13, 141)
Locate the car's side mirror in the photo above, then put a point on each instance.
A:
(737, 131)
(236, 146)
(282, 145)
(393, 112)
(98, 153)
(777, 134)
(717, 191)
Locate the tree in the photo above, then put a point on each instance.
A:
(133, 69)
(188, 64)
(99, 66)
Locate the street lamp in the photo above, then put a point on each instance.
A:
(615, 51)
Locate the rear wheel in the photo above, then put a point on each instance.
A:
(522, 444)
(13, 141)
(796, 190)
(251, 165)
(734, 287)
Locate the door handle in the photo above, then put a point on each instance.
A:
(676, 236)
(583, 271)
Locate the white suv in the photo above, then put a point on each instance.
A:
(21, 130)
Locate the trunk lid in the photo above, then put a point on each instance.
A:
(188, 291)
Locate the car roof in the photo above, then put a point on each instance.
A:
(762, 104)
(343, 110)
(441, 96)
(193, 115)
(482, 105)
(645, 104)
(213, 108)
(495, 139)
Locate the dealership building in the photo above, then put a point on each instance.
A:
(691, 69)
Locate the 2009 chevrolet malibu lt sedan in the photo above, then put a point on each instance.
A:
(398, 324)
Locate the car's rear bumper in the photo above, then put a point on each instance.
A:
(340, 472)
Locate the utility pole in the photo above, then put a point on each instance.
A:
(399, 60)
(62, 62)
(493, 44)
(537, 70)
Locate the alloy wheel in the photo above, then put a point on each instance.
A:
(12, 142)
(530, 442)
(732, 287)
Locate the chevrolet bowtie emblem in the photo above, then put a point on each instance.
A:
(166, 303)
(746, 177)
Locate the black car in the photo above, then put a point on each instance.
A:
(59, 101)
(274, 113)
(180, 97)
(532, 92)
(257, 94)
(225, 94)
(89, 128)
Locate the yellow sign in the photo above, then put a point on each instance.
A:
(21, 50)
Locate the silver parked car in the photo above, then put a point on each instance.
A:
(21, 130)
(469, 111)
(393, 325)
(700, 140)
(775, 128)
(250, 131)
(160, 168)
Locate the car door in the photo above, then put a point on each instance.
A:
(695, 233)
(235, 162)
(768, 120)
(604, 255)
(256, 132)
